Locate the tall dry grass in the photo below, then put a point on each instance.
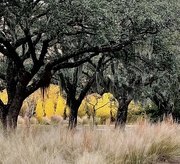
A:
(143, 143)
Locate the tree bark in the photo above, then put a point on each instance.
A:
(13, 113)
(9, 116)
(73, 115)
(122, 112)
(164, 107)
(3, 117)
(121, 116)
(10, 112)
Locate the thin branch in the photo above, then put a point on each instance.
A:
(91, 81)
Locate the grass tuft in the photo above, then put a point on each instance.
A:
(143, 143)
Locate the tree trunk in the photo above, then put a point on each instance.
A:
(73, 116)
(12, 118)
(121, 116)
(9, 114)
(164, 107)
(3, 114)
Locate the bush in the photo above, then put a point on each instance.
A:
(152, 112)
(135, 112)
(56, 119)
(45, 121)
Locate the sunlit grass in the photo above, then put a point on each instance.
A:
(143, 143)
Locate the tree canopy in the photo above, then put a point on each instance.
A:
(38, 38)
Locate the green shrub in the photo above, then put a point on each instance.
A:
(152, 112)
(134, 115)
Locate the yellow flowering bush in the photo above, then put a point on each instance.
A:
(82, 111)
(103, 106)
(88, 105)
(135, 112)
(4, 96)
(53, 104)
(49, 108)
(106, 105)
(39, 110)
(61, 106)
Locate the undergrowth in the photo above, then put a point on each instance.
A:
(143, 143)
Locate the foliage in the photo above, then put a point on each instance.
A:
(61, 106)
(3, 96)
(152, 112)
(149, 66)
(49, 108)
(107, 104)
(39, 110)
(49, 104)
(82, 111)
(103, 106)
(136, 112)
(91, 102)
(39, 38)
(52, 103)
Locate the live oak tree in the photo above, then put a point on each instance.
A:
(164, 91)
(140, 64)
(125, 81)
(158, 54)
(77, 82)
(136, 80)
(38, 38)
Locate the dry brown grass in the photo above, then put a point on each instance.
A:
(143, 143)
